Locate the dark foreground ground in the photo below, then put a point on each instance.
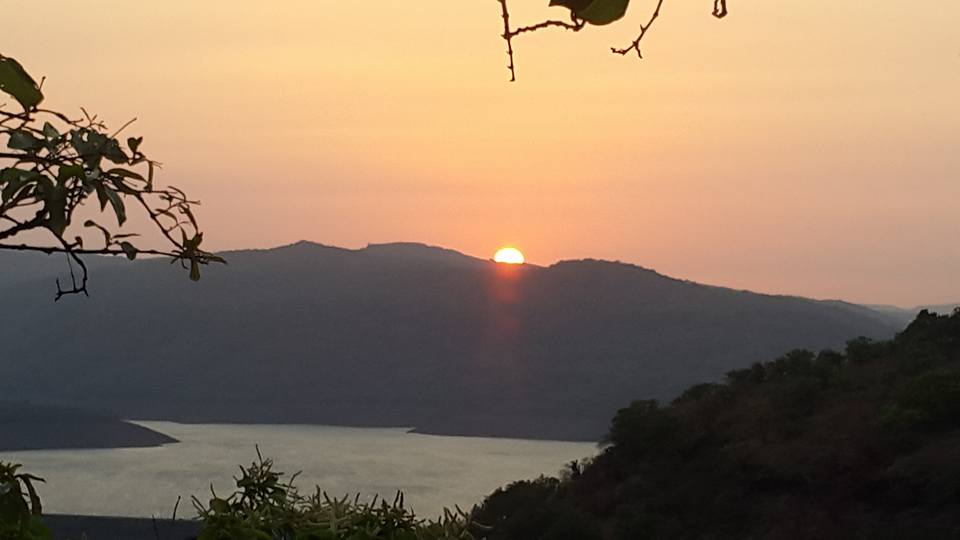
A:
(103, 528)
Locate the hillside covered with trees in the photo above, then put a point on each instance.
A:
(859, 444)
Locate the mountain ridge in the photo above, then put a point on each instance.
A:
(382, 336)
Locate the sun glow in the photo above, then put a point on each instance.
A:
(509, 255)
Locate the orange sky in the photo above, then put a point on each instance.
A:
(807, 148)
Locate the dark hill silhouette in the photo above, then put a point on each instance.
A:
(827, 446)
(25, 426)
(394, 335)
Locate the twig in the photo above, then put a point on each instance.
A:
(49, 250)
(635, 45)
(574, 26)
(123, 127)
(508, 37)
(75, 257)
(719, 11)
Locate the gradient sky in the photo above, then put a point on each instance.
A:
(807, 148)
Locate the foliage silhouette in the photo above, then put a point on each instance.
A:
(583, 13)
(830, 445)
(265, 506)
(54, 164)
(20, 506)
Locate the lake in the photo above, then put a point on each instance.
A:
(432, 471)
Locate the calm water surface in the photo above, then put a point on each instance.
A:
(432, 471)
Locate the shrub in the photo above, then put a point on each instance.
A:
(20, 506)
(936, 394)
(533, 509)
(863, 350)
(698, 392)
(642, 428)
(265, 507)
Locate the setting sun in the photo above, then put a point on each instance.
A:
(508, 255)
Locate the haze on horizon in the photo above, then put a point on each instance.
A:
(799, 148)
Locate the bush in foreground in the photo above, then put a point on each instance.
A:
(265, 507)
(20, 507)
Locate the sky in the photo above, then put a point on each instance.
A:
(807, 148)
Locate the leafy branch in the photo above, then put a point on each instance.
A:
(55, 164)
(584, 12)
(20, 506)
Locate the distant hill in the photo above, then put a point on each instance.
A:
(391, 335)
(905, 315)
(24, 426)
(24, 268)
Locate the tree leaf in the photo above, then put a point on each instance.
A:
(575, 6)
(149, 175)
(90, 145)
(601, 12)
(24, 140)
(12, 180)
(14, 192)
(196, 241)
(67, 172)
(129, 250)
(112, 151)
(101, 195)
(118, 207)
(56, 207)
(15, 80)
(50, 132)
(36, 507)
(80, 139)
(125, 173)
(134, 144)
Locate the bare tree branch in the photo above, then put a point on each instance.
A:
(719, 11)
(50, 250)
(575, 26)
(508, 37)
(635, 45)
